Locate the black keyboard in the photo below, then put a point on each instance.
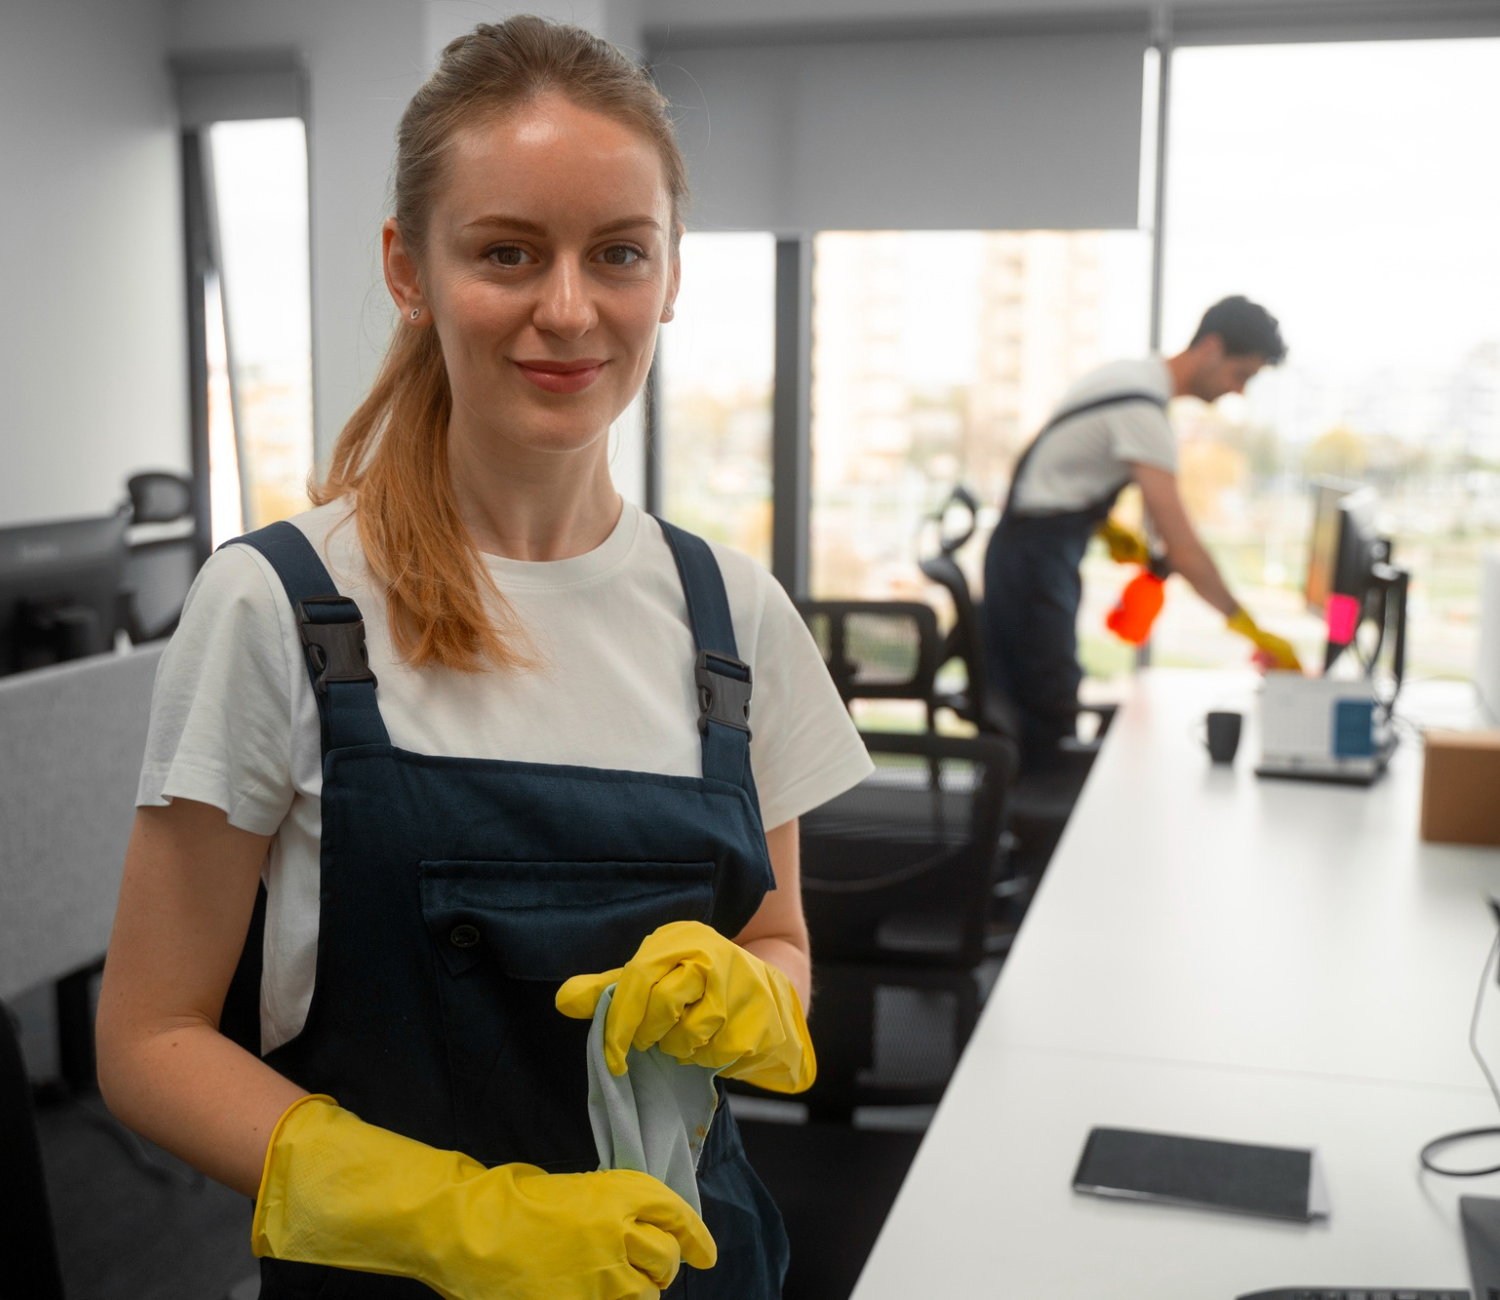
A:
(1354, 1293)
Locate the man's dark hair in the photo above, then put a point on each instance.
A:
(1246, 327)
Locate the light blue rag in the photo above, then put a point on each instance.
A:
(654, 1117)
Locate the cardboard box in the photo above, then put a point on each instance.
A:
(1461, 787)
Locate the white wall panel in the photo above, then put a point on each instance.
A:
(93, 358)
(1015, 132)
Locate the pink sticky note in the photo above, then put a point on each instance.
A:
(1343, 618)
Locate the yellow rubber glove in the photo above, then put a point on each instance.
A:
(339, 1191)
(701, 998)
(1125, 546)
(1277, 651)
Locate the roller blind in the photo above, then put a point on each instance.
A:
(238, 87)
(988, 132)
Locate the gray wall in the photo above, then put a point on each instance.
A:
(92, 348)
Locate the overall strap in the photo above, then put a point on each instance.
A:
(333, 638)
(723, 678)
(1062, 417)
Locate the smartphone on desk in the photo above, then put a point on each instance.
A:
(1171, 1169)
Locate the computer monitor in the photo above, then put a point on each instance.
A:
(1322, 560)
(1350, 578)
(60, 589)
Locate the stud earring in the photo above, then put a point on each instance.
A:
(415, 312)
(667, 313)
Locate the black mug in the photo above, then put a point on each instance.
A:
(1223, 736)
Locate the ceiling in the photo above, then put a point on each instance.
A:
(681, 22)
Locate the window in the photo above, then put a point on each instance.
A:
(259, 324)
(936, 357)
(717, 357)
(1345, 187)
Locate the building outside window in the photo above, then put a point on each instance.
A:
(717, 369)
(936, 357)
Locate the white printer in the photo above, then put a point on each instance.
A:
(1323, 728)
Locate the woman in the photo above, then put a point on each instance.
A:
(480, 729)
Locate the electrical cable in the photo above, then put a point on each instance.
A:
(1463, 1135)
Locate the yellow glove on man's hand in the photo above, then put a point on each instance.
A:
(342, 1192)
(1280, 653)
(701, 998)
(1125, 546)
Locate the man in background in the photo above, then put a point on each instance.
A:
(1109, 430)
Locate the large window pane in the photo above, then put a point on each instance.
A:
(1349, 189)
(936, 357)
(717, 368)
(260, 195)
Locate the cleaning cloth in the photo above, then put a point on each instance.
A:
(654, 1117)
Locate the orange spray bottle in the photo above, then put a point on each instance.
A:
(1139, 603)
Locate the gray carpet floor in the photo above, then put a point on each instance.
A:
(129, 1232)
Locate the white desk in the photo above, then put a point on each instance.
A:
(1200, 914)
(1212, 954)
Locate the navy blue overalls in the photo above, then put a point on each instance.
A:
(1032, 589)
(458, 894)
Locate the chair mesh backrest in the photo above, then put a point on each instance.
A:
(915, 1039)
(876, 649)
(911, 804)
(157, 577)
(965, 641)
(900, 867)
(887, 1035)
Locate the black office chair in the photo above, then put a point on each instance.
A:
(893, 650)
(27, 1242)
(897, 884)
(896, 880)
(1041, 801)
(159, 570)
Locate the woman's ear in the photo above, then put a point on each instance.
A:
(674, 276)
(401, 275)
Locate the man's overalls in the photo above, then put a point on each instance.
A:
(1032, 589)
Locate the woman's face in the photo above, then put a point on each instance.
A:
(549, 265)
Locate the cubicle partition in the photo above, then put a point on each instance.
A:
(71, 740)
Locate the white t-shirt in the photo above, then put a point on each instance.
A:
(234, 722)
(1086, 459)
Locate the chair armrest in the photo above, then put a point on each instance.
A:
(996, 751)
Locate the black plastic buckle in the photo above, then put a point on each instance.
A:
(336, 648)
(723, 694)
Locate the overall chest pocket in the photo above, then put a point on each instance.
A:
(505, 935)
(552, 920)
